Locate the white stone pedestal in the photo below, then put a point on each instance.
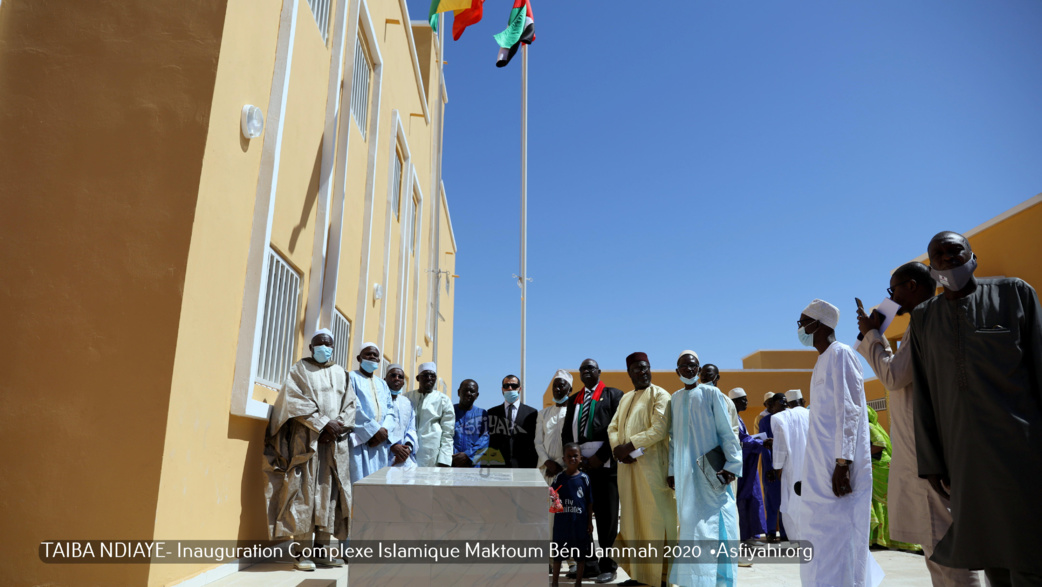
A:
(437, 504)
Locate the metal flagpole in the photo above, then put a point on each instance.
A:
(524, 210)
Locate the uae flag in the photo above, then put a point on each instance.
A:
(465, 18)
(521, 29)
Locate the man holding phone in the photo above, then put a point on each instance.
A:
(918, 515)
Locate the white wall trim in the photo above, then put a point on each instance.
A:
(264, 210)
(415, 59)
(398, 141)
(314, 317)
(373, 140)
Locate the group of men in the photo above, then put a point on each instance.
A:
(966, 422)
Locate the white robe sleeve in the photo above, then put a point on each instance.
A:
(448, 427)
(669, 423)
(727, 434)
(779, 426)
(540, 451)
(848, 387)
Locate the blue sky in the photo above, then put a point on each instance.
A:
(700, 171)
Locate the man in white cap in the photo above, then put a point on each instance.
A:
(705, 457)
(374, 418)
(403, 437)
(790, 447)
(836, 496)
(749, 499)
(759, 417)
(548, 427)
(313, 415)
(435, 419)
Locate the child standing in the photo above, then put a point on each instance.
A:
(573, 528)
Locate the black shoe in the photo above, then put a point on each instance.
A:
(631, 583)
(608, 577)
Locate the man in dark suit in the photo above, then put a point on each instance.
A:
(590, 411)
(512, 427)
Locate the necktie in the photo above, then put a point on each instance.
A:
(584, 414)
(510, 418)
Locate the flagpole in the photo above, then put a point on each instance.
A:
(524, 212)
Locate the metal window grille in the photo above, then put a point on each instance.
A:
(341, 340)
(360, 86)
(878, 405)
(396, 184)
(281, 304)
(320, 10)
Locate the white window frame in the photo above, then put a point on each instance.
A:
(341, 328)
(278, 341)
(397, 175)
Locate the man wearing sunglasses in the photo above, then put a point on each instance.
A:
(512, 428)
(918, 515)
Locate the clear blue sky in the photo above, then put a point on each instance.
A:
(700, 170)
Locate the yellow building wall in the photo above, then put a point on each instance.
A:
(211, 486)
(102, 150)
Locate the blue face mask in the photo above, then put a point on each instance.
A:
(395, 393)
(561, 401)
(370, 366)
(689, 380)
(805, 339)
(511, 396)
(322, 353)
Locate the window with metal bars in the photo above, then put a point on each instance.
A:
(341, 340)
(281, 305)
(320, 10)
(877, 404)
(360, 85)
(396, 184)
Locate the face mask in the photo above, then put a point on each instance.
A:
(322, 353)
(370, 366)
(511, 396)
(805, 339)
(689, 381)
(957, 278)
(395, 393)
(561, 401)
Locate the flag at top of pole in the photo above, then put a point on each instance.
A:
(465, 18)
(444, 6)
(520, 29)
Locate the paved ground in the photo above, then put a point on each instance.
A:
(902, 570)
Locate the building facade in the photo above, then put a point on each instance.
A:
(173, 267)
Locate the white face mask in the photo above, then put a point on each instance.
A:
(689, 380)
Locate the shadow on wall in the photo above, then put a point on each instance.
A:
(309, 199)
(252, 516)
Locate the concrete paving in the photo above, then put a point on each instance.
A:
(902, 570)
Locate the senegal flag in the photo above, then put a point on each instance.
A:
(520, 29)
(465, 18)
(444, 6)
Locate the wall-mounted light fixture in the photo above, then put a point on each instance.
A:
(252, 121)
(378, 292)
